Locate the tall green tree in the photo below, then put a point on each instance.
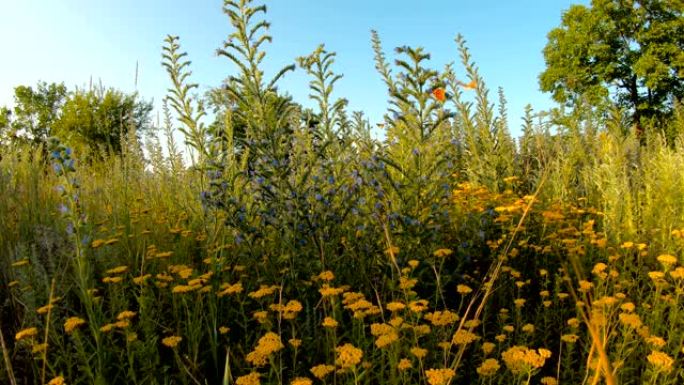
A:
(36, 110)
(100, 118)
(628, 51)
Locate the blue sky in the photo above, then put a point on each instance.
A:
(72, 41)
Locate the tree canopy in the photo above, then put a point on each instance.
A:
(628, 51)
(93, 118)
(100, 118)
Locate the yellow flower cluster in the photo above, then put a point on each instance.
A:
(321, 371)
(463, 337)
(72, 323)
(329, 322)
(59, 380)
(329, 291)
(348, 356)
(301, 381)
(442, 318)
(520, 359)
(404, 364)
(359, 305)
(289, 311)
(267, 345)
(489, 367)
(661, 361)
(26, 333)
(172, 341)
(439, 376)
(248, 379)
(263, 291)
(441, 253)
(228, 289)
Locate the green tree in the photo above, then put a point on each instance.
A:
(36, 111)
(101, 118)
(629, 51)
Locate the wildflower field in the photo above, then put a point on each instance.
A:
(285, 246)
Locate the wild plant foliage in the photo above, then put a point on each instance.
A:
(299, 246)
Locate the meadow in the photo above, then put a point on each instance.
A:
(284, 247)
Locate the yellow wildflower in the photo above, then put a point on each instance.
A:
(26, 333)
(630, 319)
(348, 356)
(488, 347)
(661, 361)
(228, 289)
(520, 359)
(301, 381)
(268, 344)
(406, 283)
(59, 380)
(655, 341)
(439, 376)
(488, 368)
(326, 276)
(44, 309)
(116, 279)
(404, 364)
(463, 337)
(295, 342)
(181, 289)
(117, 270)
(329, 322)
(395, 306)
(441, 253)
(667, 260)
(97, 243)
(463, 289)
(320, 371)
(442, 318)
(418, 306)
(263, 291)
(141, 279)
(569, 338)
(126, 314)
(248, 379)
(72, 323)
(585, 286)
(39, 348)
(171, 341)
(419, 352)
(677, 273)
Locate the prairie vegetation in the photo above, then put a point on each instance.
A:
(291, 246)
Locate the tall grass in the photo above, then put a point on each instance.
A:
(296, 248)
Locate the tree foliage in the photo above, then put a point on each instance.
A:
(100, 118)
(36, 110)
(631, 51)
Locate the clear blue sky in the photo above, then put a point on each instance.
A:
(74, 40)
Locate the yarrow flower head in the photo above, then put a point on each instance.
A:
(249, 379)
(172, 341)
(439, 376)
(267, 345)
(72, 323)
(488, 368)
(348, 356)
(520, 359)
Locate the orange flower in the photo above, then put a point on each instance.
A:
(439, 94)
(470, 86)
